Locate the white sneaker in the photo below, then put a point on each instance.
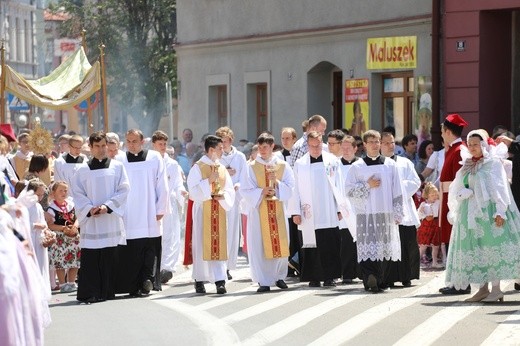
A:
(65, 288)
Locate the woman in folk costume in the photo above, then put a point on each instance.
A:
(485, 240)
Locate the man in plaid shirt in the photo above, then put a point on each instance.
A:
(300, 148)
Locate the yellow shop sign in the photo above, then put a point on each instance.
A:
(392, 52)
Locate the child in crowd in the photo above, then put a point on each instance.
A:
(65, 254)
(41, 236)
(428, 233)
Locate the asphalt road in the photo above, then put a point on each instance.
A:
(345, 315)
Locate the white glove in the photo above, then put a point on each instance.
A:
(464, 194)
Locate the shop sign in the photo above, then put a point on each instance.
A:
(392, 52)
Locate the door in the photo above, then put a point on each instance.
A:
(337, 101)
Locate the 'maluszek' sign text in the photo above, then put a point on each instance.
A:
(392, 52)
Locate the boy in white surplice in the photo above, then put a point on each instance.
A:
(374, 189)
(265, 186)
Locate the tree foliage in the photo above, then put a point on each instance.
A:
(139, 56)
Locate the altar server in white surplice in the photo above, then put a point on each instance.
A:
(140, 259)
(211, 189)
(267, 183)
(344, 147)
(100, 191)
(171, 238)
(235, 162)
(316, 206)
(407, 269)
(67, 164)
(374, 190)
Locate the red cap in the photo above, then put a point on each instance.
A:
(456, 120)
(7, 131)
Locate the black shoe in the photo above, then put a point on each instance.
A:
(453, 291)
(372, 284)
(221, 287)
(147, 286)
(229, 277)
(281, 284)
(135, 294)
(263, 289)
(407, 283)
(329, 283)
(314, 284)
(166, 276)
(291, 273)
(199, 287)
(90, 300)
(294, 266)
(517, 286)
(347, 282)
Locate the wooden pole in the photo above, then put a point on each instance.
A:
(104, 86)
(90, 128)
(84, 40)
(2, 87)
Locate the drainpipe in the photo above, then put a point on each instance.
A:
(436, 72)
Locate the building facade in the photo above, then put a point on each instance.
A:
(264, 65)
(21, 30)
(481, 62)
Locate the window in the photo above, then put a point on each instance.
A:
(19, 41)
(261, 108)
(218, 87)
(222, 105)
(398, 102)
(28, 41)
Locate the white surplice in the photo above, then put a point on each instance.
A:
(24, 310)
(148, 196)
(378, 210)
(348, 219)
(41, 254)
(5, 166)
(200, 191)
(410, 183)
(264, 271)
(236, 160)
(171, 239)
(64, 171)
(108, 186)
(313, 198)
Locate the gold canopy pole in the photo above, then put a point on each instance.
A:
(104, 86)
(2, 87)
(89, 110)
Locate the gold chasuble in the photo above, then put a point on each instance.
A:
(272, 217)
(214, 233)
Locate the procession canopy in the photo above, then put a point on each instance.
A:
(68, 85)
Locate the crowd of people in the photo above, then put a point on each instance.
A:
(101, 217)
